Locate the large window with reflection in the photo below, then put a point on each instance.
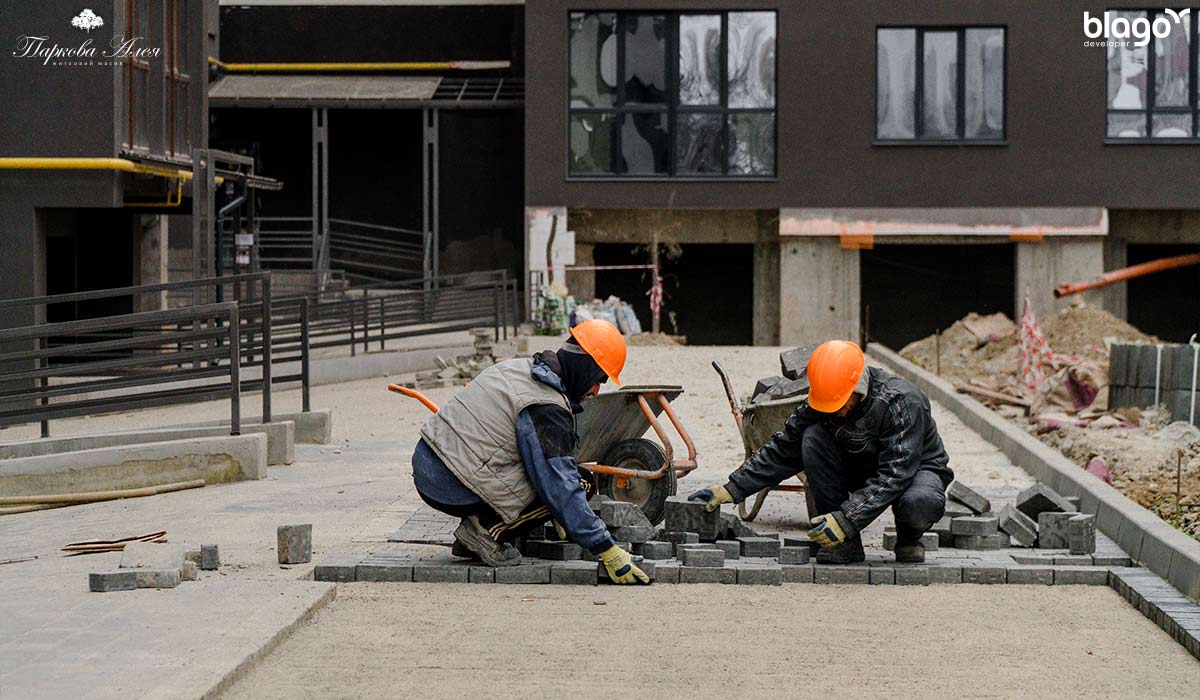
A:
(1154, 89)
(672, 94)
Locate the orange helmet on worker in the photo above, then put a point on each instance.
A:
(834, 370)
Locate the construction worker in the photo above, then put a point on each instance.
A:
(500, 454)
(866, 440)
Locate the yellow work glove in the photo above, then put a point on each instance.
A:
(620, 566)
(826, 530)
(714, 496)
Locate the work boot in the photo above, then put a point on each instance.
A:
(910, 553)
(848, 552)
(459, 549)
(474, 538)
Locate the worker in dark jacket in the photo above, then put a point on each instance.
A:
(500, 454)
(866, 440)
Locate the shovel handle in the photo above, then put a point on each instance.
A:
(414, 394)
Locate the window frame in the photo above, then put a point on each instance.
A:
(137, 23)
(1151, 92)
(177, 81)
(960, 31)
(672, 108)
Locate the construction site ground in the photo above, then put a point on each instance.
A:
(451, 640)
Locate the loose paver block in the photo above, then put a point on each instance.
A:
(157, 578)
(1111, 560)
(691, 516)
(912, 576)
(836, 573)
(801, 541)
(574, 572)
(985, 542)
(678, 537)
(1052, 529)
(622, 514)
(798, 574)
(1081, 534)
(533, 548)
(105, 582)
(941, 529)
(1031, 575)
(759, 546)
(1080, 575)
(703, 557)
(658, 550)
(210, 557)
(981, 525)
(957, 510)
(559, 551)
(339, 567)
(760, 575)
(945, 573)
(968, 497)
(294, 543)
(984, 574)
(931, 541)
(1020, 527)
(381, 571)
(484, 574)
(1039, 498)
(794, 555)
(1072, 560)
(666, 572)
(731, 548)
(707, 574)
(189, 572)
(634, 533)
(445, 573)
(882, 575)
(526, 573)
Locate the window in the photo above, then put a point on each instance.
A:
(675, 94)
(1170, 110)
(177, 87)
(939, 84)
(137, 77)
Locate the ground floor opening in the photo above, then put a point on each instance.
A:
(1164, 303)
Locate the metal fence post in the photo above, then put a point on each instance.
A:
(304, 354)
(235, 376)
(382, 323)
(504, 301)
(266, 334)
(496, 311)
(43, 383)
(366, 321)
(353, 337)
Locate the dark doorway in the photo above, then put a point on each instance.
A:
(88, 249)
(708, 289)
(1164, 303)
(911, 291)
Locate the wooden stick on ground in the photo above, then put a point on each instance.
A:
(95, 496)
(993, 395)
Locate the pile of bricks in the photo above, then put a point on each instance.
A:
(792, 381)
(459, 371)
(155, 565)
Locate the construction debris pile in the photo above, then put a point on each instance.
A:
(155, 564)
(792, 382)
(461, 370)
(613, 309)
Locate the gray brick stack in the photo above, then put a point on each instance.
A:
(961, 493)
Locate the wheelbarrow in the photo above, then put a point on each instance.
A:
(756, 424)
(628, 466)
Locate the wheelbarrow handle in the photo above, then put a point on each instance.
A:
(734, 403)
(414, 394)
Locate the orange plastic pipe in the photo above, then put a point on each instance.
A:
(1125, 273)
(414, 394)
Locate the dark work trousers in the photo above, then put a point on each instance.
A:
(534, 514)
(834, 473)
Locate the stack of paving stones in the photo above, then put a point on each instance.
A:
(154, 565)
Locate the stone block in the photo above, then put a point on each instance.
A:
(794, 555)
(1080, 575)
(980, 525)
(1020, 527)
(683, 515)
(658, 550)
(731, 548)
(148, 555)
(622, 514)
(942, 530)
(444, 572)
(1072, 560)
(836, 573)
(484, 574)
(341, 568)
(157, 578)
(881, 575)
(190, 571)
(764, 384)
(798, 574)
(192, 555)
(1081, 534)
(760, 546)
(957, 510)
(760, 575)
(559, 551)
(524, 573)
(984, 574)
(666, 572)
(1052, 529)
(210, 557)
(574, 573)
(533, 548)
(108, 581)
(294, 543)
(706, 574)
(961, 493)
(793, 363)
(634, 533)
(983, 542)
(912, 576)
(1031, 575)
(384, 571)
(1111, 560)
(703, 557)
(733, 527)
(1074, 501)
(889, 540)
(931, 541)
(1038, 499)
(678, 537)
(801, 541)
(945, 573)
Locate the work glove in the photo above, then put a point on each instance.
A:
(828, 530)
(559, 530)
(621, 568)
(714, 496)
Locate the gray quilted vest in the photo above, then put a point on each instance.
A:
(475, 434)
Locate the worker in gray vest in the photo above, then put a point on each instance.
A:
(500, 455)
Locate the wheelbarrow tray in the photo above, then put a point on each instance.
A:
(761, 421)
(613, 416)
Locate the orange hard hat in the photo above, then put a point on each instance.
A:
(833, 371)
(604, 343)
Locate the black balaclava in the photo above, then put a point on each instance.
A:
(579, 372)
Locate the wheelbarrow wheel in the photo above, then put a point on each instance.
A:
(650, 495)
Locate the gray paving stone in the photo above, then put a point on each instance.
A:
(801, 541)
(941, 529)
(981, 542)
(707, 574)
(533, 547)
(108, 581)
(794, 555)
(657, 550)
(967, 496)
(760, 575)
(1081, 534)
(1072, 560)
(559, 551)
(889, 540)
(683, 515)
(294, 543)
(1111, 560)
(881, 575)
(574, 573)
(931, 541)
(798, 574)
(380, 571)
(341, 568)
(190, 571)
(622, 514)
(678, 537)
(634, 533)
(731, 548)
(945, 573)
(524, 573)
(482, 574)
(157, 578)
(1080, 575)
(980, 525)
(834, 573)
(444, 572)
(1052, 529)
(1032, 559)
(912, 576)
(954, 510)
(702, 558)
(1020, 527)
(210, 557)
(1031, 575)
(1038, 499)
(984, 574)
(760, 546)
(666, 572)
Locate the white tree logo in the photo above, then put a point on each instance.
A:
(87, 20)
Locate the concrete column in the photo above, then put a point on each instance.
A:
(151, 249)
(1116, 296)
(819, 290)
(766, 281)
(582, 284)
(1042, 266)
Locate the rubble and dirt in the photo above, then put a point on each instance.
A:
(661, 339)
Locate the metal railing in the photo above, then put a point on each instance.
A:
(375, 253)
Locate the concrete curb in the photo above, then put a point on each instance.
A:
(281, 437)
(312, 428)
(214, 459)
(1143, 535)
(270, 645)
